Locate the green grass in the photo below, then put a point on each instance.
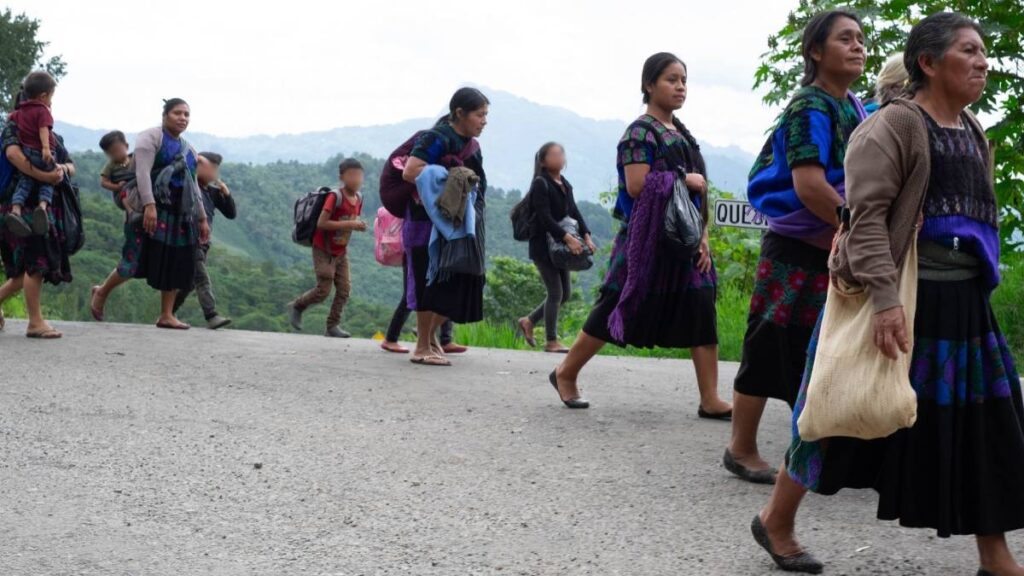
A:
(1008, 305)
(732, 325)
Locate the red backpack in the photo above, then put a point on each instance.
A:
(395, 192)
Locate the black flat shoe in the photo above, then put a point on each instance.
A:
(802, 562)
(984, 572)
(574, 403)
(702, 413)
(752, 476)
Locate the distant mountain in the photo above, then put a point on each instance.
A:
(516, 130)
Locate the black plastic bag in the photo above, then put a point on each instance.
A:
(684, 225)
(461, 256)
(563, 258)
(71, 217)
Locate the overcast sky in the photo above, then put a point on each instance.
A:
(275, 67)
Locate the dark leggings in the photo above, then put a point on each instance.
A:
(402, 313)
(558, 284)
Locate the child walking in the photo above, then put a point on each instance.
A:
(340, 217)
(35, 134)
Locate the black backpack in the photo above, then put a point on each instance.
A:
(307, 213)
(522, 218)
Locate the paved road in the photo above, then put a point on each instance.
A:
(126, 450)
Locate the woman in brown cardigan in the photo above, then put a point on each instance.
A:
(918, 170)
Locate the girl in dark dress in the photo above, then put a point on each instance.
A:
(551, 200)
(458, 297)
(960, 468)
(30, 261)
(676, 308)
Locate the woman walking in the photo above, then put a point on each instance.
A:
(161, 249)
(31, 261)
(650, 296)
(797, 181)
(455, 297)
(920, 167)
(551, 201)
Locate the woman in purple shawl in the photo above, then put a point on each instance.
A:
(650, 297)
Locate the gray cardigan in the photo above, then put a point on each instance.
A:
(147, 144)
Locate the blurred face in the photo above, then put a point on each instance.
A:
(471, 124)
(207, 171)
(352, 179)
(962, 72)
(177, 119)
(669, 92)
(118, 152)
(554, 159)
(842, 56)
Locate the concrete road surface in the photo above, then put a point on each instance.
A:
(127, 450)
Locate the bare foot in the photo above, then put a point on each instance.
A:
(782, 537)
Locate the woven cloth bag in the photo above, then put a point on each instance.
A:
(854, 389)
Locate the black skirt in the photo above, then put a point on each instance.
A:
(960, 468)
(167, 260)
(678, 312)
(792, 281)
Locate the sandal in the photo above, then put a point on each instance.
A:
(430, 361)
(394, 348)
(527, 334)
(169, 326)
(45, 334)
(97, 314)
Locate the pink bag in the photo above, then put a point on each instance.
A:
(387, 233)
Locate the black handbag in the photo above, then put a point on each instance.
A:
(465, 255)
(563, 258)
(683, 226)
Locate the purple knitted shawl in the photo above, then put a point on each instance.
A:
(644, 234)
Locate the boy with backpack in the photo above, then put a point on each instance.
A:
(335, 224)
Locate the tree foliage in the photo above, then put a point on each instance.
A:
(887, 24)
(21, 51)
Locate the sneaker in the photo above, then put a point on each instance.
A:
(217, 321)
(40, 221)
(295, 317)
(17, 225)
(335, 332)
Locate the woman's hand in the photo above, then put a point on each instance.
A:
(696, 183)
(53, 177)
(574, 244)
(149, 219)
(204, 231)
(590, 244)
(891, 332)
(704, 255)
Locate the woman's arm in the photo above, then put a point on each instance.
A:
(20, 161)
(636, 175)
(413, 168)
(816, 193)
